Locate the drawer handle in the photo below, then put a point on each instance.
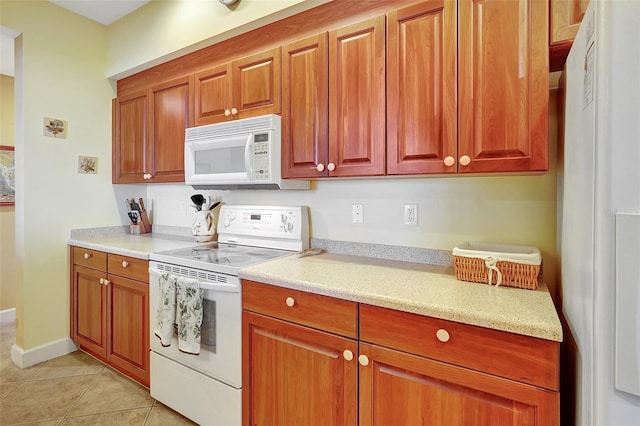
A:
(106, 282)
(363, 360)
(465, 160)
(347, 354)
(290, 301)
(442, 335)
(449, 161)
(101, 280)
(87, 256)
(125, 263)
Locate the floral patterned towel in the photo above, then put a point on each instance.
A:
(189, 314)
(166, 313)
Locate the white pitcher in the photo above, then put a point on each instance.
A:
(203, 228)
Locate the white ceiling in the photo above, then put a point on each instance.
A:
(105, 12)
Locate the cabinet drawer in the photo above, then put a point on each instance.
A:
(129, 267)
(525, 359)
(321, 312)
(93, 259)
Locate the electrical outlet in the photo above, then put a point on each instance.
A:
(357, 212)
(411, 214)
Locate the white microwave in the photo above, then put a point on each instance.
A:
(237, 154)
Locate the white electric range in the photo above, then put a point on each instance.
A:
(207, 387)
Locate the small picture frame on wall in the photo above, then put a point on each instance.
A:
(54, 128)
(87, 165)
(7, 176)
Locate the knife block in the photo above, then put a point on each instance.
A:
(139, 229)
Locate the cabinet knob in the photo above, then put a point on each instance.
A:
(125, 263)
(347, 354)
(465, 160)
(227, 112)
(320, 167)
(87, 255)
(449, 161)
(106, 282)
(331, 167)
(290, 301)
(234, 111)
(101, 280)
(363, 360)
(442, 335)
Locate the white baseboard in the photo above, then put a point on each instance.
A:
(24, 359)
(8, 315)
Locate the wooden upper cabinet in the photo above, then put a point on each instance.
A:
(305, 107)
(421, 88)
(171, 114)
(403, 389)
(564, 21)
(129, 137)
(357, 99)
(213, 95)
(503, 86)
(247, 87)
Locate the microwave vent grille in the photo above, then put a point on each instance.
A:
(247, 125)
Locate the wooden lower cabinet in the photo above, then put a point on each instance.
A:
(386, 367)
(403, 389)
(110, 311)
(296, 375)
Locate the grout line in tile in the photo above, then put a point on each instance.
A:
(80, 397)
(146, 418)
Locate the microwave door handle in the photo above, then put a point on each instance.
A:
(247, 157)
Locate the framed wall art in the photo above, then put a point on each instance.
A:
(7, 176)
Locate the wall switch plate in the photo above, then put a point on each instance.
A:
(411, 214)
(357, 212)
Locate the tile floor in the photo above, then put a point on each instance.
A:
(74, 390)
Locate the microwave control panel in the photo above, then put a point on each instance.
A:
(261, 157)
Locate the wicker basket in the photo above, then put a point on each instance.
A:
(519, 266)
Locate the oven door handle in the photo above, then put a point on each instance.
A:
(205, 285)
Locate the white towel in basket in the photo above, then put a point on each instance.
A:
(166, 313)
(189, 314)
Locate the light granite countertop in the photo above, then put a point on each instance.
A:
(138, 246)
(419, 288)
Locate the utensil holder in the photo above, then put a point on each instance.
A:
(139, 229)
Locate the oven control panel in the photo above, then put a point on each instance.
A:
(273, 223)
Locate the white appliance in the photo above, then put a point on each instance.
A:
(207, 387)
(600, 210)
(237, 154)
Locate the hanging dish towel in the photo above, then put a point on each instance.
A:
(189, 314)
(166, 312)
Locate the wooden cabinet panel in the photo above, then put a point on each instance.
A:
(294, 375)
(213, 95)
(421, 88)
(128, 332)
(322, 312)
(90, 313)
(522, 358)
(257, 84)
(503, 84)
(564, 21)
(130, 138)
(305, 107)
(398, 388)
(128, 267)
(90, 258)
(171, 114)
(357, 99)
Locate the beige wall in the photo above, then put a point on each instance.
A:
(60, 72)
(7, 213)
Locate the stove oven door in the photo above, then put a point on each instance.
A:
(221, 338)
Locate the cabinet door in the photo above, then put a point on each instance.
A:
(128, 348)
(294, 375)
(213, 95)
(398, 388)
(564, 21)
(504, 86)
(89, 310)
(421, 89)
(130, 138)
(305, 108)
(257, 84)
(357, 99)
(171, 114)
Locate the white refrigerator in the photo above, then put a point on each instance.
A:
(599, 214)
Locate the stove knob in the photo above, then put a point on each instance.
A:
(226, 223)
(283, 217)
(233, 215)
(289, 227)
